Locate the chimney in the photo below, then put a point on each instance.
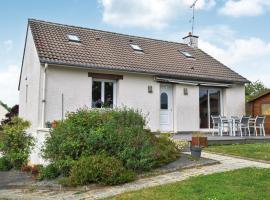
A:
(191, 40)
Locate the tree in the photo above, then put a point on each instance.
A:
(254, 88)
(5, 106)
(14, 111)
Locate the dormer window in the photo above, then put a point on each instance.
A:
(186, 53)
(136, 47)
(73, 38)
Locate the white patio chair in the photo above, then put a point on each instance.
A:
(224, 124)
(216, 124)
(236, 124)
(244, 124)
(258, 124)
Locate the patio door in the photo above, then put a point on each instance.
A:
(210, 104)
(166, 110)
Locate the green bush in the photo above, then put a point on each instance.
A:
(100, 169)
(49, 172)
(64, 166)
(117, 132)
(16, 143)
(5, 165)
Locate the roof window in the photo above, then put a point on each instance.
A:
(136, 47)
(186, 53)
(73, 38)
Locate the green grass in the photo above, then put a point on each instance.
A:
(260, 151)
(243, 184)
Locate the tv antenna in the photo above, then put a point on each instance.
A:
(193, 15)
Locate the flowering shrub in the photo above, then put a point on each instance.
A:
(180, 144)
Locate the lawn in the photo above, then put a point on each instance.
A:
(260, 151)
(248, 184)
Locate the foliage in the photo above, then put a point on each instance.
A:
(100, 169)
(5, 106)
(254, 88)
(16, 143)
(118, 132)
(5, 164)
(49, 172)
(13, 112)
(64, 166)
(248, 183)
(180, 144)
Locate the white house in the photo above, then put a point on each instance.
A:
(3, 112)
(177, 84)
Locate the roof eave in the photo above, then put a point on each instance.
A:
(120, 69)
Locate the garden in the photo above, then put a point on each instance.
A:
(102, 146)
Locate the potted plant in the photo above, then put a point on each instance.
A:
(48, 124)
(54, 124)
(199, 141)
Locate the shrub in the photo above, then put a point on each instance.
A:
(16, 144)
(49, 172)
(64, 166)
(36, 169)
(118, 132)
(100, 169)
(5, 165)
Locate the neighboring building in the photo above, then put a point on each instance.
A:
(260, 105)
(3, 112)
(178, 85)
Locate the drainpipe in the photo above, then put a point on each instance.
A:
(44, 96)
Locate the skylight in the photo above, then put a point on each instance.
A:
(136, 47)
(186, 53)
(73, 38)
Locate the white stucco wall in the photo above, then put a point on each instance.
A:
(29, 107)
(234, 100)
(132, 91)
(74, 84)
(186, 108)
(76, 87)
(3, 113)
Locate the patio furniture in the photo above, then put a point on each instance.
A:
(258, 123)
(244, 124)
(224, 123)
(216, 124)
(235, 123)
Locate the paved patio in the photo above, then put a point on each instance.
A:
(227, 163)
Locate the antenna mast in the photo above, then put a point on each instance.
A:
(193, 15)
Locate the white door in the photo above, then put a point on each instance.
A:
(166, 109)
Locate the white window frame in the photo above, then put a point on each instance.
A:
(103, 81)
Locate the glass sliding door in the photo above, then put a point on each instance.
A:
(210, 104)
(214, 103)
(203, 108)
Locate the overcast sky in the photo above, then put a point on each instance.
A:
(235, 32)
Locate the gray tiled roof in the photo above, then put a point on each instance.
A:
(107, 50)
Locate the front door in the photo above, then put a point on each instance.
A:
(166, 110)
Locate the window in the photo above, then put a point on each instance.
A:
(186, 53)
(265, 108)
(73, 38)
(136, 47)
(163, 101)
(103, 94)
